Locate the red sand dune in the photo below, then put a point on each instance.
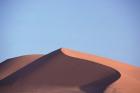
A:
(10, 66)
(68, 71)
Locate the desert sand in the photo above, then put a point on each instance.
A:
(69, 71)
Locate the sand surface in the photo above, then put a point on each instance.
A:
(68, 71)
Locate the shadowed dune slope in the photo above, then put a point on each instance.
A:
(58, 72)
(130, 75)
(13, 64)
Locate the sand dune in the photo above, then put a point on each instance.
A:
(59, 73)
(11, 65)
(68, 71)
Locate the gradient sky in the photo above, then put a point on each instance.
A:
(109, 28)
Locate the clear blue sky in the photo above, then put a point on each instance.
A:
(109, 28)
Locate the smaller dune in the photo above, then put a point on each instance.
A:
(11, 65)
